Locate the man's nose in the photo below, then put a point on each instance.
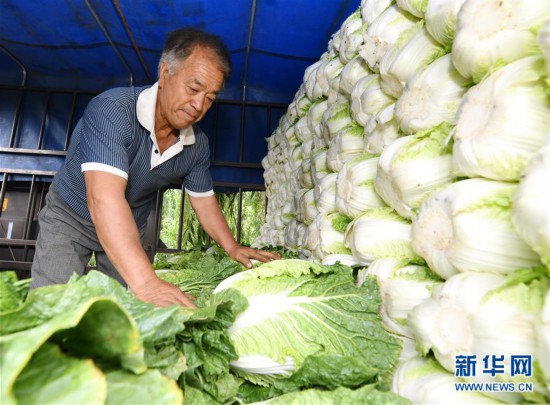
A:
(198, 102)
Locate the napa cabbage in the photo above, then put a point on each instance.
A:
(302, 314)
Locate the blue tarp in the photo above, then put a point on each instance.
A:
(93, 45)
(87, 44)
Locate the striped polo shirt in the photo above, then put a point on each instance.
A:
(116, 135)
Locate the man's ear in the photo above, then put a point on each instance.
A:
(163, 72)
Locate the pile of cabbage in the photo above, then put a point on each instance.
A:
(288, 330)
(417, 149)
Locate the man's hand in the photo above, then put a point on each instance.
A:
(163, 294)
(243, 255)
(213, 222)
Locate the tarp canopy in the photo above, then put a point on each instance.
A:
(92, 45)
(97, 44)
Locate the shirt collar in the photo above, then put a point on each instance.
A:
(145, 111)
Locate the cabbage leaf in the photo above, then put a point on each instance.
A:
(301, 312)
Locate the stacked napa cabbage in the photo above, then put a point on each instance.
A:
(432, 138)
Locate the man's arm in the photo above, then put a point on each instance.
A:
(119, 236)
(214, 223)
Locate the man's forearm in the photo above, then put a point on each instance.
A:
(119, 236)
(116, 229)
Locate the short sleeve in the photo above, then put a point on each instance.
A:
(106, 132)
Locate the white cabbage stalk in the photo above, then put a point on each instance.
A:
(273, 140)
(424, 381)
(313, 89)
(328, 70)
(352, 72)
(277, 221)
(261, 240)
(278, 237)
(506, 324)
(305, 179)
(355, 192)
(319, 142)
(467, 226)
(308, 71)
(314, 116)
(268, 190)
(408, 350)
(334, 95)
(442, 323)
(302, 235)
(503, 121)
(293, 184)
(298, 203)
(288, 212)
(544, 45)
(291, 111)
(269, 160)
(371, 9)
(431, 97)
(346, 259)
(305, 176)
(384, 132)
(319, 168)
(411, 167)
(380, 233)
(301, 130)
(543, 340)
(441, 17)
(335, 118)
(291, 236)
(492, 33)
(383, 33)
(415, 7)
(285, 123)
(301, 104)
(289, 139)
(265, 162)
(351, 36)
(334, 44)
(326, 235)
(414, 50)
(482, 313)
(294, 236)
(295, 158)
(403, 286)
(307, 78)
(325, 193)
(309, 207)
(367, 100)
(307, 148)
(348, 143)
(530, 212)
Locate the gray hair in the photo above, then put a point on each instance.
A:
(180, 44)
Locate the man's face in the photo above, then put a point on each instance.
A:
(186, 96)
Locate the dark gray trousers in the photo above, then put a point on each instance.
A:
(65, 245)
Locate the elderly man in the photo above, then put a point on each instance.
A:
(129, 143)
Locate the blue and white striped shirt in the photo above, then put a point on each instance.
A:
(115, 134)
